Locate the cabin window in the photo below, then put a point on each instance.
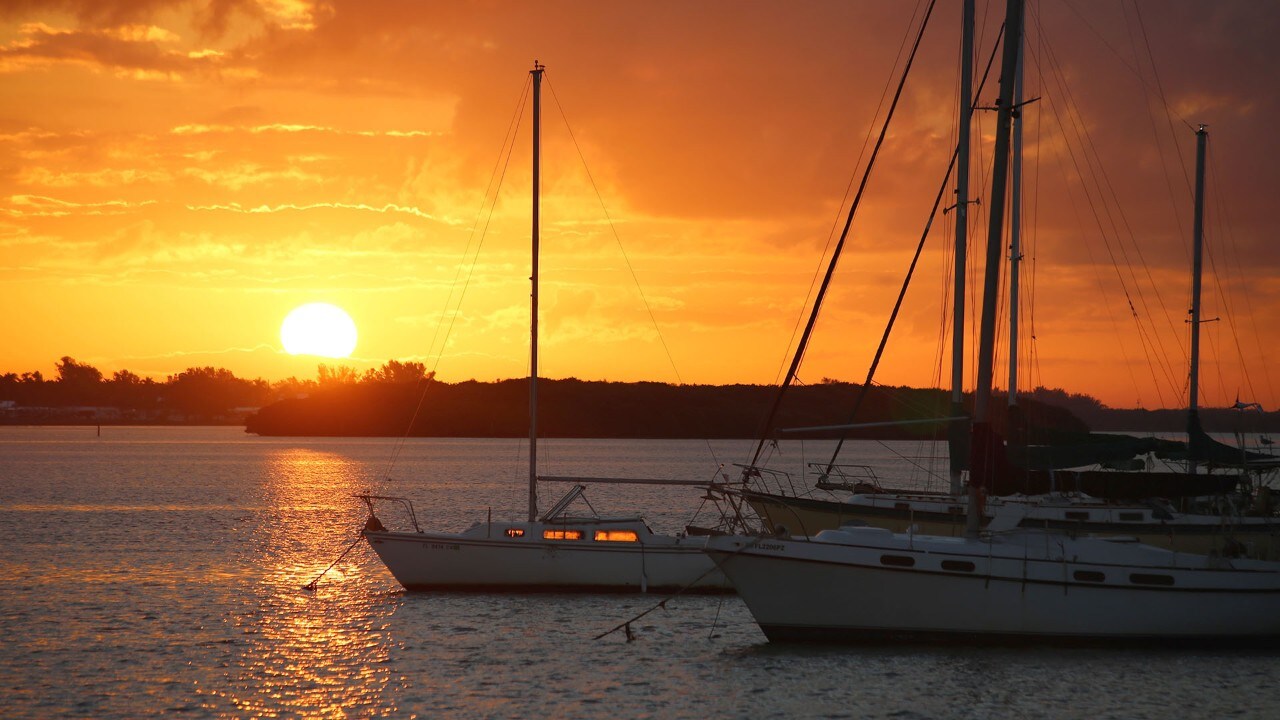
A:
(616, 536)
(1077, 515)
(1131, 516)
(515, 532)
(1151, 579)
(561, 534)
(897, 560)
(1092, 576)
(957, 566)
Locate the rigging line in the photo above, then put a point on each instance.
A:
(1226, 299)
(1131, 237)
(835, 256)
(1085, 189)
(1097, 169)
(946, 309)
(1122, 59)
(614, 229)
(1106, 299)
(897, 306)
(617, 238)
(978, 221)
(906, 282)
(918, 403)
(509, 146)
(1174, 204)
(1029, 51)
(835, 219)
(1223, 220)
(1229, 317)
(1214, 359)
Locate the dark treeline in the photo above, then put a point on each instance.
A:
(577, 408)
(80, 393)
(1107, 419)
(401, 397)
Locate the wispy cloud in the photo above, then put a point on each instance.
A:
(295, 128)
(290, 207)
(40, 206)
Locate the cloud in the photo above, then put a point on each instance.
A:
(38, 206)
(143, 51)
(362, 207)
(295, 128)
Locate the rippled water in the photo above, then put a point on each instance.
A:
(159, 571)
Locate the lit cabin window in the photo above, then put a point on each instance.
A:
(561, 534)
(515, 532)
(616, 536)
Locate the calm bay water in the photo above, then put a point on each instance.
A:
(159, 571)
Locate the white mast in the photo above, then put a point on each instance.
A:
(1197, 254)
(957, 430)
(985, 452)
(1015, 222)
(536, 72)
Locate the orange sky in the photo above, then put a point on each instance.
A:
(177, 176)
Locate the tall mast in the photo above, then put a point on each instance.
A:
(536, 72)
(985, 450)
(1015, 221)
(1197, 245)
(957, 431)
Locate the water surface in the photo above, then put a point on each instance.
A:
(160, 571)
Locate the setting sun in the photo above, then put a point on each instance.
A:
(180, 175)
(319, 329)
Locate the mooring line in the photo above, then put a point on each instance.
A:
(312, 585)
(626, 625)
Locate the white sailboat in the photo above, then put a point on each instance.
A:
(555, 551)
(1135, 504)
(1007, 584)
(1154, 521)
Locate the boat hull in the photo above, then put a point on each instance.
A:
(887, 587)
(1254, 537)
(463, 562)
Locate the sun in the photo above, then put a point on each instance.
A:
(318, 329)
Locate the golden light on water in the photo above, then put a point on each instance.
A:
(318, 653)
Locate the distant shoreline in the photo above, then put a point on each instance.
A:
(571, 408)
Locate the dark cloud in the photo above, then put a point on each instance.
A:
(106, 49)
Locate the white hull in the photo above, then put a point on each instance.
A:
(485, 558)
(870, 585)
(1255, 537)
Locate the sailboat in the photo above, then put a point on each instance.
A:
(1007, 584)
(1041, 489)
(555, 551)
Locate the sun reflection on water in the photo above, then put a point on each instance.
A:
(299, 652)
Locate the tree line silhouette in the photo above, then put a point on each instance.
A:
(198, 395)
(602, 409)
(400, 398)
